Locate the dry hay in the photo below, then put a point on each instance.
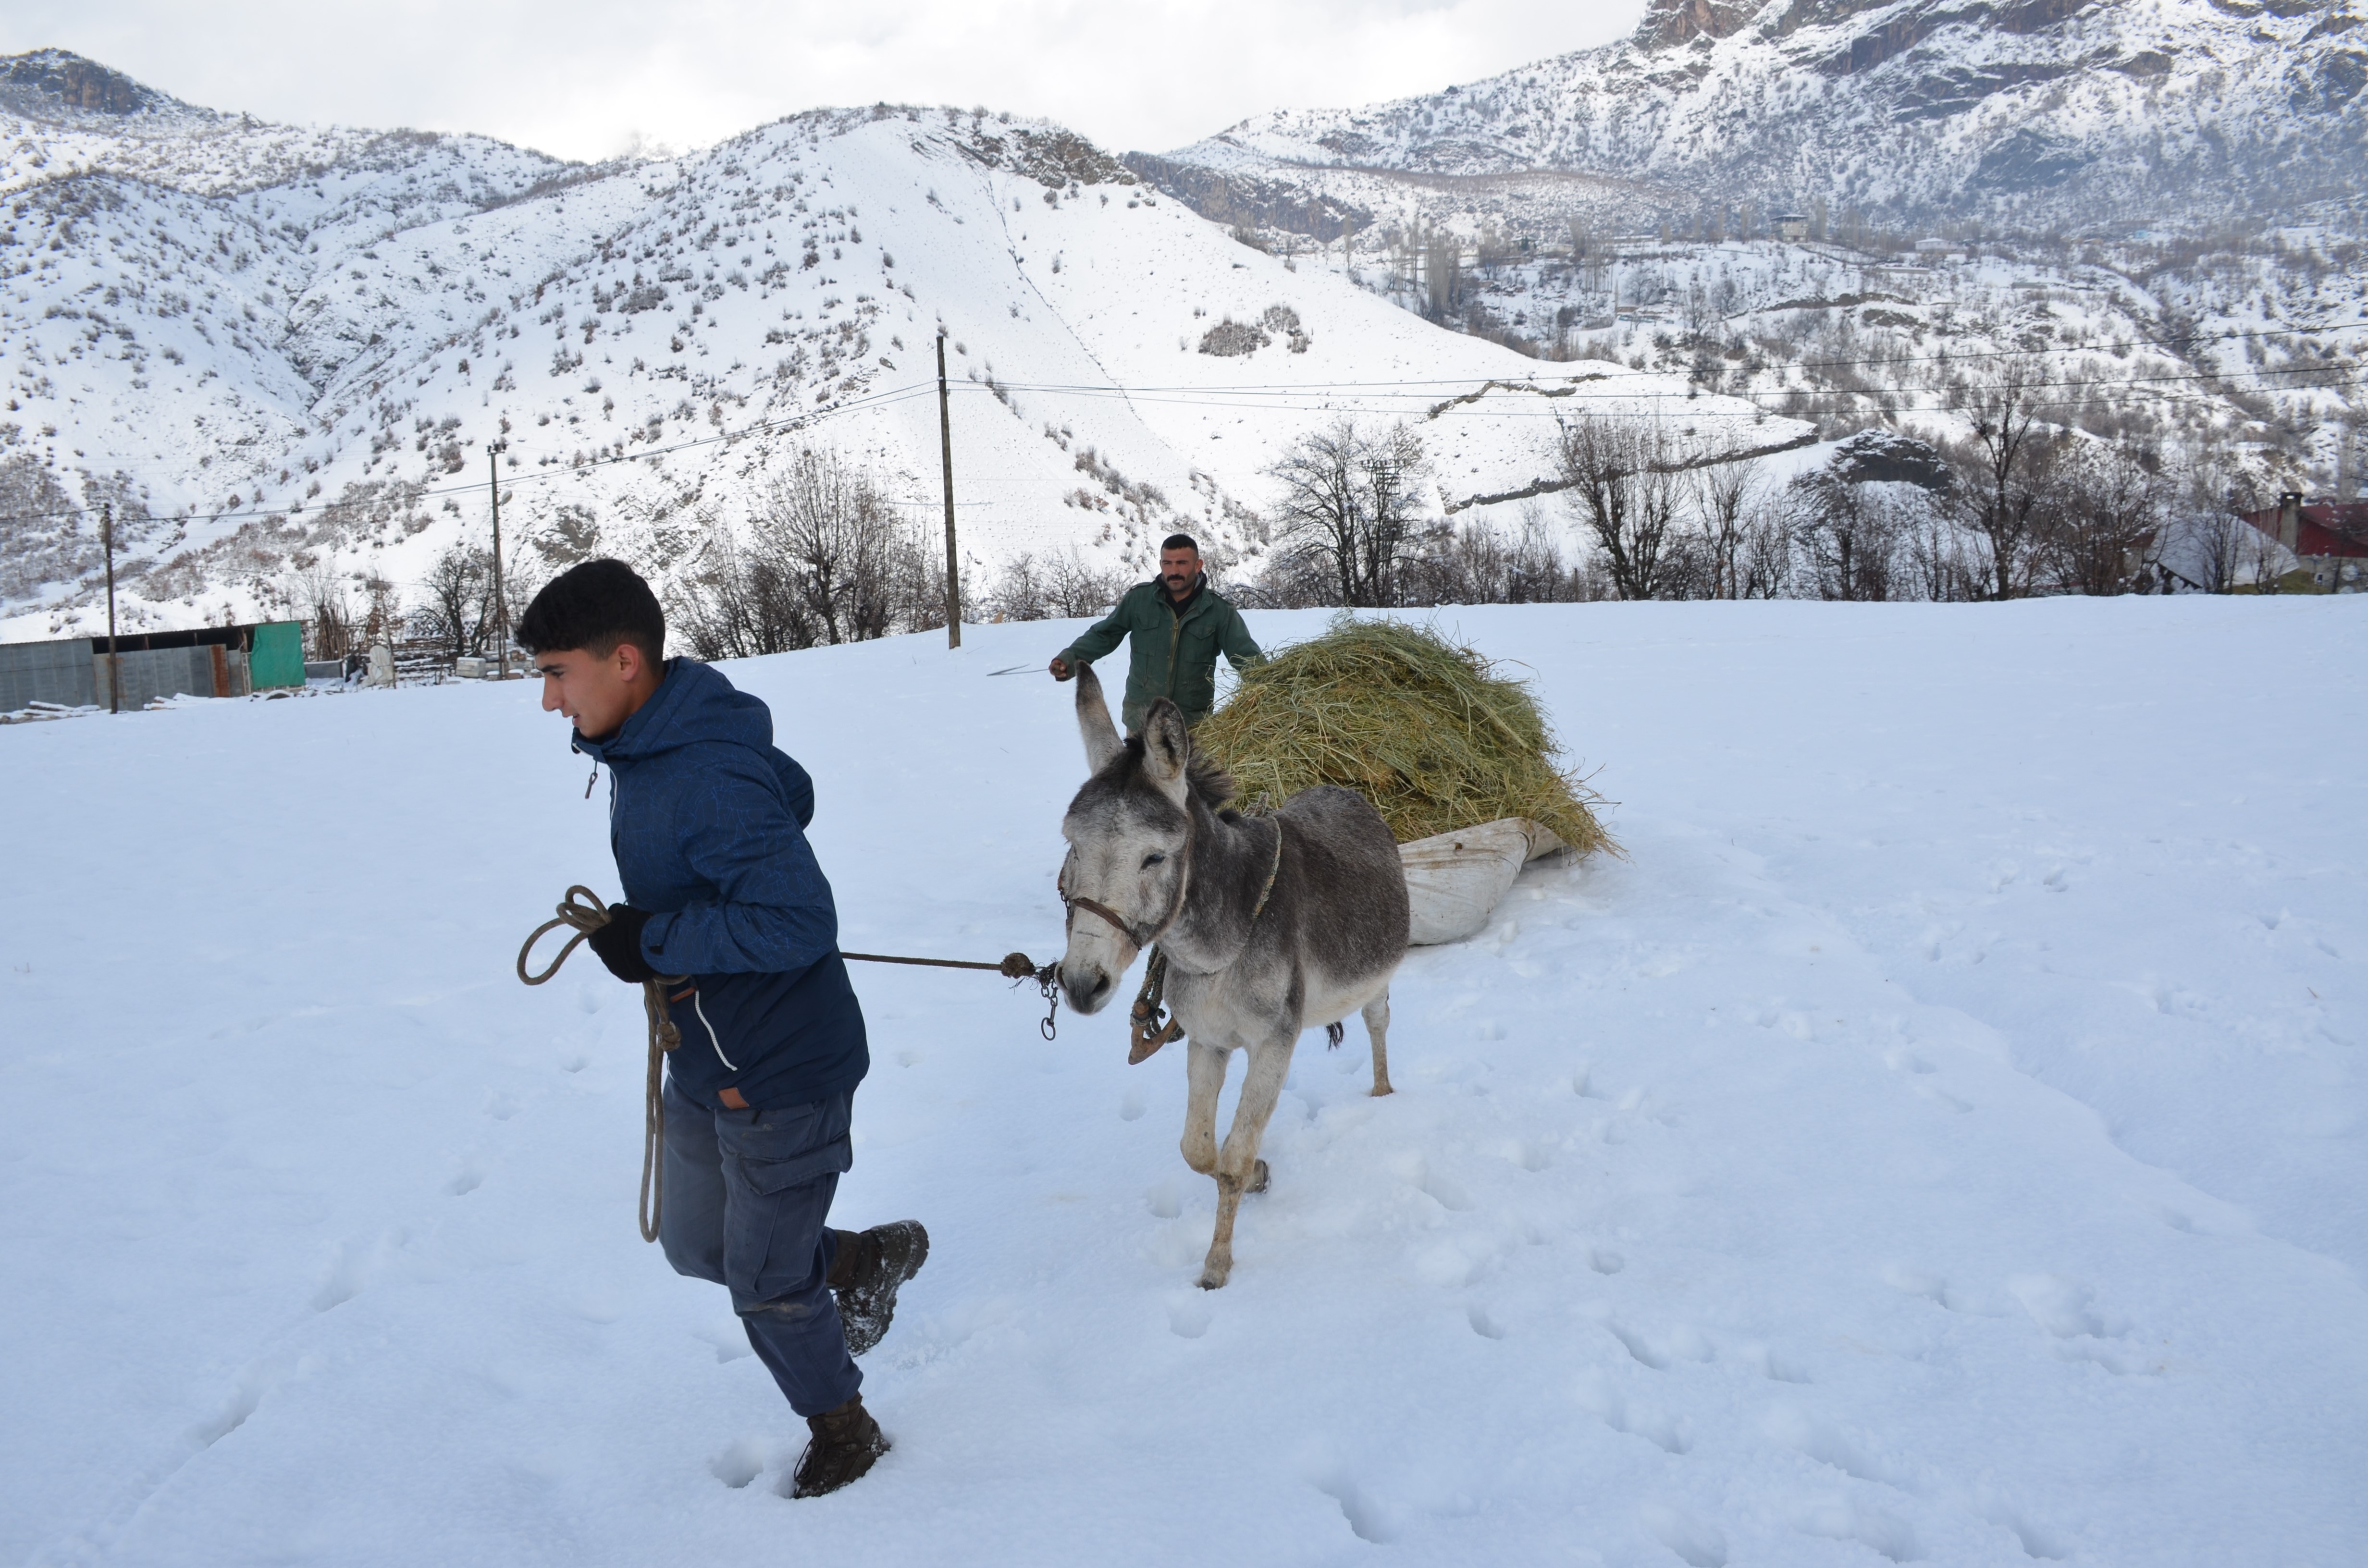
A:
(1424, 729)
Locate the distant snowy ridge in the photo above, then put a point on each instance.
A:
(2028, 114)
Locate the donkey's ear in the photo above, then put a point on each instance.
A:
(1166, 748)
(1094, 721)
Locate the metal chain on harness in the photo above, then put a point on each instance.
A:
(584, 918)
(1014, 966)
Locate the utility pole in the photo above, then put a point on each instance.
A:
(946, 450)
(114, 664)
(501, 606)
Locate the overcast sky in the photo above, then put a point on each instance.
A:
(582, 80)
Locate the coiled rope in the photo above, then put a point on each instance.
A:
(583, 911)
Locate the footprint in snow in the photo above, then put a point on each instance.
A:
(1188, 1317)
(1697, 1543)
(738, 1465)
(1606, 1404)
(1840, 1519)
(2036, 1542)
(1365, 1519)
(1796, 1430)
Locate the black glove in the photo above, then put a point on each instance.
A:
(619, 944)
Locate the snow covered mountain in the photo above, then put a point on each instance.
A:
(2160, 198)
(275, 350)
(1986, 114)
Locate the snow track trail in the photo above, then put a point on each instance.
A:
(1941, 1140)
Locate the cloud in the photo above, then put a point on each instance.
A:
(584, 80)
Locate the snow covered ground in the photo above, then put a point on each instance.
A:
(1940, 1138)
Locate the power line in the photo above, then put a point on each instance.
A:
(1272, 396)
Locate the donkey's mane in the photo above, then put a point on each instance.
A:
(1210, 783)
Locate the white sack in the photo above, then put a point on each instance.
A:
(1455, 881)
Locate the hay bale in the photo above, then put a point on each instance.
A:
(1427, 731)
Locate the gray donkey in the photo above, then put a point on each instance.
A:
(1269, 925)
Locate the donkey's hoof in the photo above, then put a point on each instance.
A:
(1259, 1175)
(1383, 1088)
(1213, 1278)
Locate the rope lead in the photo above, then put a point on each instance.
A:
(582, 912)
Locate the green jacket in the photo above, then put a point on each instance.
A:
(1173, 656)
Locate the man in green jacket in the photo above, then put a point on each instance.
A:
(1178, 625)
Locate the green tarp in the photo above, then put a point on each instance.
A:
(278, 658)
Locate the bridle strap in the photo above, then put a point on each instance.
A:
(1142, 936)
(1095, 906)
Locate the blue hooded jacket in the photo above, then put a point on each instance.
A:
(706, 820)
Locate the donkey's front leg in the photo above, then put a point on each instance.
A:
(1237, 1167)
(1205, 1076)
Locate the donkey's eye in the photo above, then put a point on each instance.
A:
(1151, 860)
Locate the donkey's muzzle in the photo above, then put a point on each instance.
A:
(1088, 986)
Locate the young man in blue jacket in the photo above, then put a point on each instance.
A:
(724, 899)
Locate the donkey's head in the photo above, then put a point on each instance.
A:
(1130, 832)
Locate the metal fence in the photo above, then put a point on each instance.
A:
(47, 672)
(73, 673)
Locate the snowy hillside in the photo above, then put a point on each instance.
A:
(272, 348)
(2013, 114)
(2249, 353)
(2178, 177)
(1941, 1140)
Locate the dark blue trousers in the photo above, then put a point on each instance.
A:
(746, 1197)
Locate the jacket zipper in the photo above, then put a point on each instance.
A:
(700, 1008)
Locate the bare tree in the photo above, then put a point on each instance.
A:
(737, 603)
(2005, 466)
(2104, 525)
(382, 621)
(823, 559)
(458, 590)
(1729, 499)
(1937, 559)
(1850, 536)
(2208, 542)
(1064, 585)
(829, 529)
(1348, 509)
(1622, 481)
(327, 613)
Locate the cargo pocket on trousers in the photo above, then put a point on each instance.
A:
(783, 1168)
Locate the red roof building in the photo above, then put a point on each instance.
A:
(2316, 530)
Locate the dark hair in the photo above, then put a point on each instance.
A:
(595, 606)
(1179, 542)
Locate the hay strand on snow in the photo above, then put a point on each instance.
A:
(1427, 731)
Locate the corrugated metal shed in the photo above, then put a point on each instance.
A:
(208, 660)
(46, 672)
(207, 671)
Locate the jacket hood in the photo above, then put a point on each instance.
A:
(694, 703)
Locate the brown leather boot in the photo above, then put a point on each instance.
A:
(866, 1274)
(846, 1442)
